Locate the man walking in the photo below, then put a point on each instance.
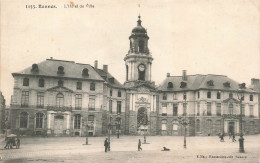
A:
(234, 138)
(106, 144)
(139, 145)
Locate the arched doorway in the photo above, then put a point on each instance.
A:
(231, 127)
(142, 120)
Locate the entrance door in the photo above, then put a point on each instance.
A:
(231, 127)
(58, 125)
(142, 120)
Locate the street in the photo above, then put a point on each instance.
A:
(71, 149)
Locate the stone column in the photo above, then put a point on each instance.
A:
(134, 102)
(68, 124)
(48, 123)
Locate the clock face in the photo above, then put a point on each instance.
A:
(141, 67)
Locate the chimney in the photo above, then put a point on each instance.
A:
(96, 64)
(168, 74)
(184, 75)
(254, 81)
(105, 68)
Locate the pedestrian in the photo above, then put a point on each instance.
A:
(234, 138)
(139, 145)
(106, 144)
(17, 143)
(221, 137)
(8, 143)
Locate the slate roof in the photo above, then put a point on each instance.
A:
(107, 77)
(197, 82)
(49, 68)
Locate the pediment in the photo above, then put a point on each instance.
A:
(59, 89)
(230, 100)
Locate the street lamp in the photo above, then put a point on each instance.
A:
(183, 121)
(87, 127)
(118, 119)
(240, 95)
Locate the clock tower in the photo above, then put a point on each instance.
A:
(141, 94)
(138, 60)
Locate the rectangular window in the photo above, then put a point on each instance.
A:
(208, 108)
(79, 86)
(198, 109)
(91, 104)
(251, 107)
(218, 109)
(184, 109)
(175, 96)
(164, 109)
(175, 109)
(40, 100)
(164, 96)
(91, 119)
(25, 98)
(110, 106)
(243, 109)
(78, 102)
(118, 107)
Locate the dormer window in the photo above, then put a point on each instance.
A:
(226, 84)
(60, 70)
(183, 85)
(60, 83)
(85, 72)
(25, 82)
(111, 80)
(210, 83)
(170, 85)
(35, 68)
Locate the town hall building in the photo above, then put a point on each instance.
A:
(64, 98)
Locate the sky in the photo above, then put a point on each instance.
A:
(202, 36)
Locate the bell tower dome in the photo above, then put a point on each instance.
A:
(138, 60)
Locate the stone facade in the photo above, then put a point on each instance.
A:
(64, 98)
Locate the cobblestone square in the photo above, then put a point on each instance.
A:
(124, 149)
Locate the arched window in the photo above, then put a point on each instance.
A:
(92, 86)
(39, 120)
(24, 120)
(251, 98)
(197, 125)
(170, 85)
(209, 126)
(230, 108)
(126, 72)
(85, 72)
(60, 83)
(41, 83)
(218, 95)
(77, 121)
(141, 46)
(25, 82)
(119, 93)
(59, 100)
(60, 70)
(208, 94)
(175, 125)
(164, 124)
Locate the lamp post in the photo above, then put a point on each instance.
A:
(87, 127)
(183, 121)
(240, 95)
(118, 124)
